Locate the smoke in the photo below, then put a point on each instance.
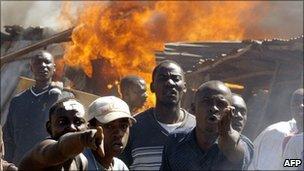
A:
(280, 19)
(32, 13)
(287, 17)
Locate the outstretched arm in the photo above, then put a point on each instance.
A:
(51, 153)
(229, 139)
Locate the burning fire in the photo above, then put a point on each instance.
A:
(123, 36)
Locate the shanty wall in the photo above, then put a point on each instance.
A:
(271, 74)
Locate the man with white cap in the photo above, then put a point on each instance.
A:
(113, 115)
(69, 137)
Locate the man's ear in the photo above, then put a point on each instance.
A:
(48, 127)
(152, 88)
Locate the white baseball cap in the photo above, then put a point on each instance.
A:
(109, 108)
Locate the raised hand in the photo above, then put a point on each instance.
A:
(99, 141)
(93, 138)
(229, 138)
(224, 125)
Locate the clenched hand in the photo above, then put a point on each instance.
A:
(224, 125)
(93, 138)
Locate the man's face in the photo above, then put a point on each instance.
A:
(138, 93)
(208, 109)
(116, 134)
(169, 84)
(240, 114)
(297, 107)
(43, 67)
(66, 121)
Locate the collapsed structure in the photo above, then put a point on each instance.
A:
(264, 72)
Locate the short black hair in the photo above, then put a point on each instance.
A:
(240, 96)
(57, 106)
(213, 85)
(41, 53)
(128, 80)
(161, 64)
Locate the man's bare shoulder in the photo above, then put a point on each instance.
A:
(41, 145)
(33, 159)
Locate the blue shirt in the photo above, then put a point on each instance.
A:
(26, 119)
(147, 138)
(183, 153)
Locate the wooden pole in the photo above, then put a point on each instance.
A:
(266, 104)
(17, 55)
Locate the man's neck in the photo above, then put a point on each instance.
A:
(168, 114)
(40, 86)
(131, 106)
(204, 141)
(105, 161)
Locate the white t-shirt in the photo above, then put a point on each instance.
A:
(268, 146)
(170, 127)
(293, 150)
(93, 164)
(119, 165)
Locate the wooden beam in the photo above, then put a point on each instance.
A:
(17, 55)
(223, 59)
(245, 76)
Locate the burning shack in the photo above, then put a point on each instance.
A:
(264, 72)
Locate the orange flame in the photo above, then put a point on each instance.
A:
(126, 34)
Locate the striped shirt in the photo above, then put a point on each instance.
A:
(146, 141)
(183, 153)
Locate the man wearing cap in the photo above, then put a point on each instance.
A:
(69, 137)
(134, 92)
(28, 111)
(113, 115)
(149, 134)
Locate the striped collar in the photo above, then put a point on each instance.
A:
(184, 121)
(38, 94)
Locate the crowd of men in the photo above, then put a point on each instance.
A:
(49, 129)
